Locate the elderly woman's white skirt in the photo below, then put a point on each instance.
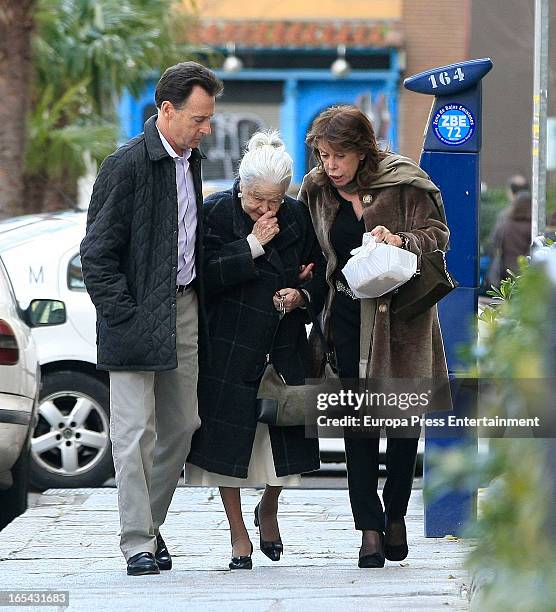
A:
(260, 471)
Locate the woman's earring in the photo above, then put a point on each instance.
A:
(239, 194)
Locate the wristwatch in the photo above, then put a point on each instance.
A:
(405, 241)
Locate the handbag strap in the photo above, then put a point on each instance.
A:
(328, 351)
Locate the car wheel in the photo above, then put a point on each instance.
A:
(71, 442)
(13, 501)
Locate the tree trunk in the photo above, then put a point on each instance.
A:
(47, 195)
(16, 24)
(59, 195)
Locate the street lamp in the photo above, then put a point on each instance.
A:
(232, 63)
(340, 66)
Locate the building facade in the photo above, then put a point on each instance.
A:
(285, 80)
(504, 31)
(276, 61)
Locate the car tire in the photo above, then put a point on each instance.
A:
(89, 466)
(13, 501)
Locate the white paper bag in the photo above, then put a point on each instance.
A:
(378, 268)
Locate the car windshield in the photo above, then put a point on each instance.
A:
(25, 233)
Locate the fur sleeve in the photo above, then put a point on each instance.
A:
(424, 228)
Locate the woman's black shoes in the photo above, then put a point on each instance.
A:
(395, 540)
(373, 559)
(272, 549)
(243, 562)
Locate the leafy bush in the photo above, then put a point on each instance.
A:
(512, 545)
(85, 54)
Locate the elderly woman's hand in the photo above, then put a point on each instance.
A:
(290, 298)
(383, 234)
(266, 227)
(305, 272)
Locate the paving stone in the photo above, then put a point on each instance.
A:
(69, 541)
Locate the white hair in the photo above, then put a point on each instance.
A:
(266, 160)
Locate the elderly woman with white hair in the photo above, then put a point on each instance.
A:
(260, 250)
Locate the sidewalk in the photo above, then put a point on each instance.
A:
(69, 542)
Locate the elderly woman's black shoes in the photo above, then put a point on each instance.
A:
(272, 549)
(243, 562)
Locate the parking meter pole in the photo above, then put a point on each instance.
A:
(451, 157)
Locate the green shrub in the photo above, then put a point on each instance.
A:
(512, 547)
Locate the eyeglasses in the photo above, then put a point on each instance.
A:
(259, 199)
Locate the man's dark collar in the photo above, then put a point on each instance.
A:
(155, 148)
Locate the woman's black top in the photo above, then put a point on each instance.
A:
(346, 234)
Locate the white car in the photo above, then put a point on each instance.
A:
(19, 385)
(71, 445)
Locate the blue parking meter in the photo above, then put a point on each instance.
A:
(451, 157)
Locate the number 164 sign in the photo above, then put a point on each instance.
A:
(444, 78)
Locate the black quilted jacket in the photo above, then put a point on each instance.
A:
(129, 254)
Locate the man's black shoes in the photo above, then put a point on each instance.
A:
(162, 556)
(142, 564)
(145, 563)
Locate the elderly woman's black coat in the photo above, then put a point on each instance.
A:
(242, 320)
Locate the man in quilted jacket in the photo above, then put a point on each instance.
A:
(142, 265)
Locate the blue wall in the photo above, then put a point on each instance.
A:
(304, 100)
(306, 93)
